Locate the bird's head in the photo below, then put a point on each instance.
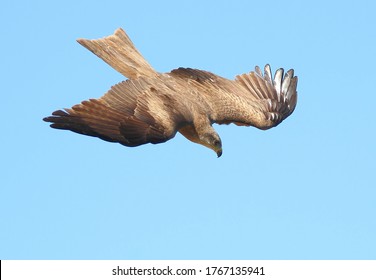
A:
(212, 141)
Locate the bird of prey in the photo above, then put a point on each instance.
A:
(151, 107)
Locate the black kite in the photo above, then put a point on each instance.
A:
(151, 107)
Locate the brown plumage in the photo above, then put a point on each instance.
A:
(151, 107)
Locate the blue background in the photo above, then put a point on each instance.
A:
(303, 190)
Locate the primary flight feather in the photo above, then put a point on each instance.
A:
(151, 107)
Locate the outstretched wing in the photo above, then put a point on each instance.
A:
(251, 99)
(275, 99)
(131, 113)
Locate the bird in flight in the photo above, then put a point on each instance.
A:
(151, 107)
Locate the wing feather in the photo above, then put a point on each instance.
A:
(259, 83)
(130, 113)
(245, 81)
(277, 82)
(270, 101)
(268, 80)
(252, 99)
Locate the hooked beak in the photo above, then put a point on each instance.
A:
(219, 152)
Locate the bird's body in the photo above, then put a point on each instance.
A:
(152, 107)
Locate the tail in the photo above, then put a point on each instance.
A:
(118, 51)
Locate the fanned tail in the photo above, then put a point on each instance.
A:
(119, 52)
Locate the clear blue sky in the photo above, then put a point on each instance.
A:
(303, 190)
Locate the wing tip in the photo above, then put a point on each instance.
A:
(281, 92)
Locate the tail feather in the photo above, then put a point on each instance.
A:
(119, 52)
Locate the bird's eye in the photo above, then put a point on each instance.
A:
(217, 143)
